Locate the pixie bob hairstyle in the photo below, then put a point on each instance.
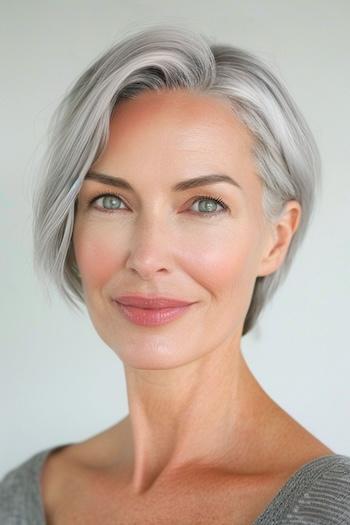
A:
(170, 57)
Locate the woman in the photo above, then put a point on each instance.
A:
(178, 185)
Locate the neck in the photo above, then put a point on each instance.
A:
(202, 414)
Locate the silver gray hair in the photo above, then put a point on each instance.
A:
(171, 57)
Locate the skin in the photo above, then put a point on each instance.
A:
(194, 406)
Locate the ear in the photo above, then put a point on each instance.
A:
(279, 237)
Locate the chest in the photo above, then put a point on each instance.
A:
(185, 504)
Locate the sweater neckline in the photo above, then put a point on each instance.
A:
(300, 478)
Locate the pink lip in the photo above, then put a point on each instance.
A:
(151, 302)
(151, 316)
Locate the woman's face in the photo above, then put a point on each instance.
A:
(161, 241)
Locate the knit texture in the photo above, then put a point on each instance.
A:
(318, 493)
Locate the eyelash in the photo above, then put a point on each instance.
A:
(198, 197)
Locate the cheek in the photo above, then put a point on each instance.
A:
(97, 254)
(227, 271)
(225, 262)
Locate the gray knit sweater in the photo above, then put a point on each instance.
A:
(318, 493)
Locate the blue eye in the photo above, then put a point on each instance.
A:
(110, 199)
(113, 200)
(208, 210)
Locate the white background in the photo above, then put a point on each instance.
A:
(59, 383)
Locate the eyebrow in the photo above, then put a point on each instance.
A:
(118, 182)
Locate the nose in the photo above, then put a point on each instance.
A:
(149, 251)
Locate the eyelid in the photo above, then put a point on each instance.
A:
(218, 199)
(105, 194)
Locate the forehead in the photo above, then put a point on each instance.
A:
(178, 132)
(180, 117)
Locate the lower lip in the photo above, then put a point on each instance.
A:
(151, 317)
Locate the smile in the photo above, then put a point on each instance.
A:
(151, 316)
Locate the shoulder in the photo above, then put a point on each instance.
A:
(19, 496)
(327, 494)
(319, 492)
(330, 475)
(333, 485)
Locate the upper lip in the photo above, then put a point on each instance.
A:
(143, 301)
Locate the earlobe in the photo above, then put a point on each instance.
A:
(279, 238)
